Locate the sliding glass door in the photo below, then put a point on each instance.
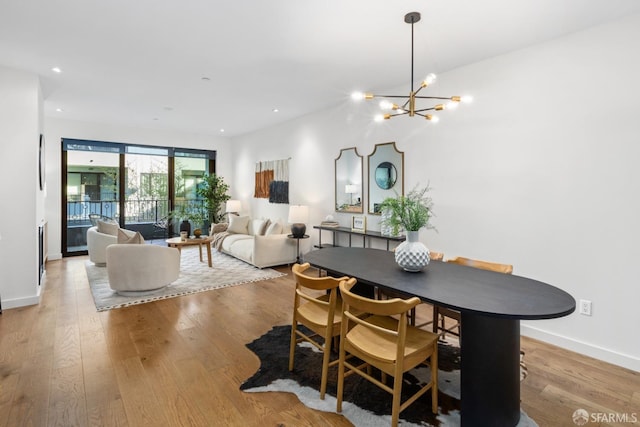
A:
(146, 194)
(90, 191)
(135, 186)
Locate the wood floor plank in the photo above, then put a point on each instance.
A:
(181, 361)
(141, 403)
(30, 400)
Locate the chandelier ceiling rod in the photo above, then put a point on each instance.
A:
(413, 17)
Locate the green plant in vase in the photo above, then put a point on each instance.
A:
(410, 213)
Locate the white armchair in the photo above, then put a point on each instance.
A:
(97, 245)
(143, 268)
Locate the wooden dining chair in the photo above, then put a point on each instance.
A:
(383, 339)
(433, 256)
(318, 307)
(440, 314)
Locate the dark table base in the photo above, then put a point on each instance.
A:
(490, 371)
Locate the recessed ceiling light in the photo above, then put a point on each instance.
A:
(275, 110)
(168, 108)
(206, 79)
(221, 130)
(56, 70)
(59, 110)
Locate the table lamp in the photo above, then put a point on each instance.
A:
(350, 189)
(298, 215)
(233, 207)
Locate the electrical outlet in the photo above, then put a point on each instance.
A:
(585, 307)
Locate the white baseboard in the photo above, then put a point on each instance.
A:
(26, 301)
(587, 349)
(20, 302)
(54, 257)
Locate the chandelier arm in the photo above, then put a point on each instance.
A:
(424, 109)
(399, 114)
(391, 96)
(434, 97)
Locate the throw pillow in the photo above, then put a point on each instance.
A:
(128, 238)
(257, 227)
(238, 224)
(108, 228)
(274, 228)
(267, 223)
(218, 228)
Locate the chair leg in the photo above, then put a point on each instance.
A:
(341, 357)
(325, 362)
(292, 346)
(433, 360)
(434, 324)
(443, 326)
(397, 394)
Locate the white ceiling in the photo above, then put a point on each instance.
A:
(142, 62)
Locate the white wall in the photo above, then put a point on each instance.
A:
(22, 201)
(541, 171)
(56, 129)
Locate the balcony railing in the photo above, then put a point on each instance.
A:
(147, 216)
(136, 211)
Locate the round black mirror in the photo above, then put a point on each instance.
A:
(386, 175)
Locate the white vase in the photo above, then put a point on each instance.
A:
(412, 255)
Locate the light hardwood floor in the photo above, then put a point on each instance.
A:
(180, 362)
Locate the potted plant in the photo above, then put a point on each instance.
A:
(189, 215)
(213, 190)
(411, 213)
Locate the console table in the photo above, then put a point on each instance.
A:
(347, 230)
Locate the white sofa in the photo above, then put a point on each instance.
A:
(137, 269)
(259, 242)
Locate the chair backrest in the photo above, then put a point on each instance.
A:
(305, 283)
(387, 307)
(315, 283)
(484, 265)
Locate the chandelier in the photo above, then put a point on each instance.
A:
(409, 106)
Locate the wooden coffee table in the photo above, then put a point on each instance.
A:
(178, 243)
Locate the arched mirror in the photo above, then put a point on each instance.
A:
(386, 174)
(349, 179)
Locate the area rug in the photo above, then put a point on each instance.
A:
(195, 276)
(364, 404)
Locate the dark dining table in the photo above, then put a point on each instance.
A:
(491, 305)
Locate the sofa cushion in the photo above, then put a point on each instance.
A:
(242, 248)
(274, 228)
(109, 228)
(231, 239)
(257, 227)
(129, 237)
(238, 224)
